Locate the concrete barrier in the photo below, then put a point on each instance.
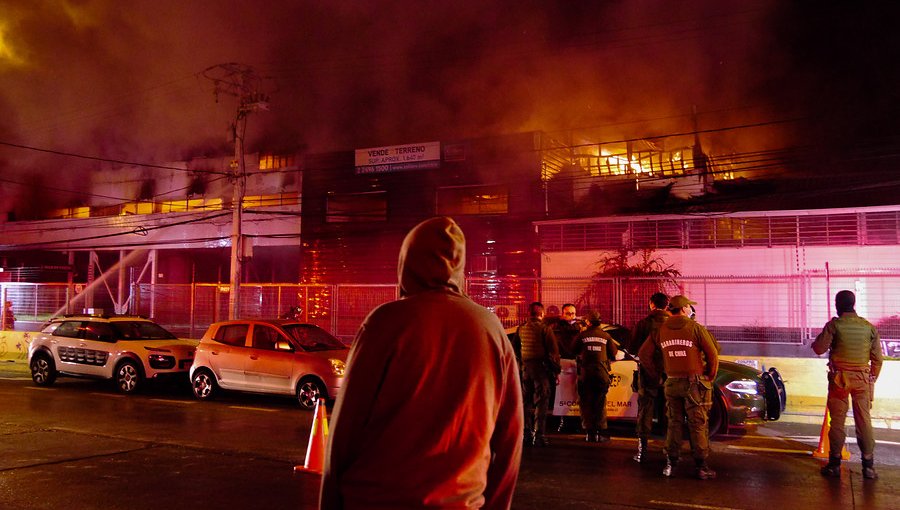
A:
(14, 344)
(805, 380)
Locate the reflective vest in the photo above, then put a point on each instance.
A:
(531, 335)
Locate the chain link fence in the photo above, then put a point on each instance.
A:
(788, 310)
(760, 309)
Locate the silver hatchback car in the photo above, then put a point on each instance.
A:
(269, 356)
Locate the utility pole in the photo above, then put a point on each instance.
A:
(242, 82)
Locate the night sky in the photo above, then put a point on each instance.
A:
(125, 80)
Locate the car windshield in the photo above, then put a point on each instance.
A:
(141, 330)
(313, 338)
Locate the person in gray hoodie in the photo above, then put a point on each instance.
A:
(430, 413)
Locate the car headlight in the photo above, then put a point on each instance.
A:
(745, 386)
(161, 361)
(337, 366)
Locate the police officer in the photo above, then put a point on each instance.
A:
(594, 349)
(688, 387)
(540, 366)
(853, 366)
(647, 386)
(565, 328)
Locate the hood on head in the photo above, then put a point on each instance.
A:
(433, 256)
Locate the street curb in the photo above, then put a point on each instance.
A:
(810, 418)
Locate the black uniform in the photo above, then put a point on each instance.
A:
(594, 349)
(647, 386)
(540, 366)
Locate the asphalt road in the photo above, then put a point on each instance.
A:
(80, 445)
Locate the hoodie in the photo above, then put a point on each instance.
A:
(430, 413)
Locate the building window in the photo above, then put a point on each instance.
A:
(106, 210)
(274, 162)
(276, 200)
(462, 200)
(188, 204)
(356, 207)
(138, 208)
(828, 230)
(882, 227)
(71, 212)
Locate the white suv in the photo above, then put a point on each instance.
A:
(126, 349)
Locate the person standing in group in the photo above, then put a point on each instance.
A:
(405, 432)
(854, 362)
(647, 386)
(565, 328)
(594, 349)
(9, 318)
(690, 361)
(540, 368)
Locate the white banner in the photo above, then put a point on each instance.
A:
(621, 401)
(398, 157)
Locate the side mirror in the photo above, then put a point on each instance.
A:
(283, 345)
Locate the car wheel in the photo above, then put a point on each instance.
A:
(718, 416)
(43, 370)
(203, 384)
(128, 377)
(309, 391)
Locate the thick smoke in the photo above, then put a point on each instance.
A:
(124, 80)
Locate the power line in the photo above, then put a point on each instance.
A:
(107, 160)
(137, 231)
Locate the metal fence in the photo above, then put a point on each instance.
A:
(766, 309)
(789, 309)
(188, 309)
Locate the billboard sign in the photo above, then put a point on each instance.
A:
(395, 158)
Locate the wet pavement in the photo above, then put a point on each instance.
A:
(80, 445)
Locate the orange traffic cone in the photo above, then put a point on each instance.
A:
(318, 438)
(822, 451)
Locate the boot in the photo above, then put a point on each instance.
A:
(833, 468)
(641, 454)
(528, 439)
(540, 441)
(704, 472)
(868, 466)
(591, 437)
(601, 436)
(670, 466)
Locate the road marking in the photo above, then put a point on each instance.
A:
(113, 395)
(254, 408)
(170, 401)
(690, 505)
(14, 378)
(764, 449)
(39, 388)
